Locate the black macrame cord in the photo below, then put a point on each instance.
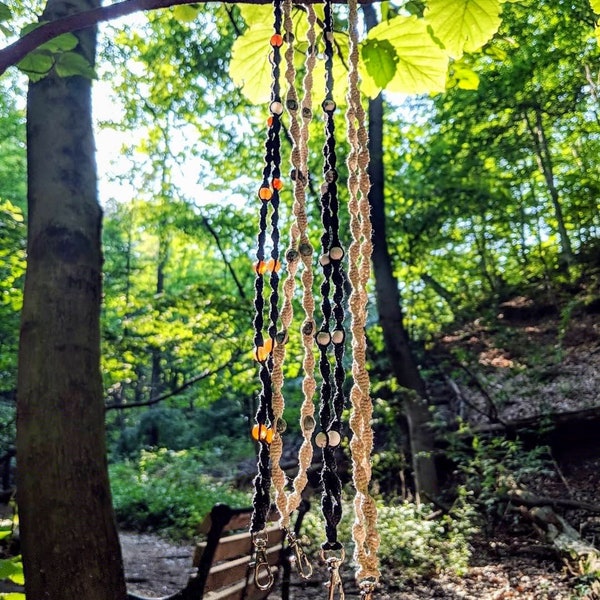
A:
(332, 399)
(269, 195)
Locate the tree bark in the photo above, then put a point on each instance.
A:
(545, 163)
(404, 367)
(68, 534)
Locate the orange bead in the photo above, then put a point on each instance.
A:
(260, 267)
(261, 353)
(273, 265)
(277, 184)
(276, 40)
(262, 433)
(269, 121)
(265, 194)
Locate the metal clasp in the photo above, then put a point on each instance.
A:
(335, 585)
(263, 576)
(367, 587)
(303, 565)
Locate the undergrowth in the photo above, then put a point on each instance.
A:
(166, 491)
(415, 538)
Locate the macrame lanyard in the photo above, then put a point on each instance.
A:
(263, 431)
(332, 394)
(299, 249)
(364, 530)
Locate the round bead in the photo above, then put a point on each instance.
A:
(277, 184)
(308, 327)
(334, 438)
(323, 338)
(337, 337)
(328, 106)
(306, 112)
(262, 433)
(308, 423)
(273, 265)
(276, 108)
(276, 40)
(281, 426)
(331, 176)
(321, 439)
(260, 267)
(291, 255)
(282, 337)
(261, 353)
(324, 259)
(291, 104)
(288, 37)
(305, 249)
(265, 193)
(336, 253)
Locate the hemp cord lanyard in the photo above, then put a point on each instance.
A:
(364, 529)
(263, 431)
(332, 398)
(299, 250)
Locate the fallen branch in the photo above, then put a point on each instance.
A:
(580, 556)
(523, 498)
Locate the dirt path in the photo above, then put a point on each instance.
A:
(154, 567)
(501, 569)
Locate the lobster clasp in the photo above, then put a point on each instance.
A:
(302, 563)
(335, 585)
(367, 587)
(263, 576)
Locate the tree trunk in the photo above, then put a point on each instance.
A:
(546, 166)
(404, 368)
(69, 540)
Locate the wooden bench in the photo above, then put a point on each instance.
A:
(222, 561)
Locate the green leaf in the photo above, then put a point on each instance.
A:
(249, 67)
(12, 568)
(380, 60)
(597, 34)
(595, 4)
(61, 43)
(421, 64)
(12, 596)
(466, 78)
(186, 13)
(463, 25)
(36, 65)
(71, 63)
(5, 12)
(257, 14)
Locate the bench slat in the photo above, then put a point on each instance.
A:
(237, 545)
(229, 572)
(235, 592)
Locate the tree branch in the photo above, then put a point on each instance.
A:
(178, 390)
(13, 53)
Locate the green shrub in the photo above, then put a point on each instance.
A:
(167, 491)
(414, 539)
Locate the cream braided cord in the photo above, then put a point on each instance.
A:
(364, 529)
(300, 248)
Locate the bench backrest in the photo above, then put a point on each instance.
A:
(222, 561)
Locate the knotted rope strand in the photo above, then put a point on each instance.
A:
(364, 531)
(268, 194)
(331, 392)
(299, 247)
